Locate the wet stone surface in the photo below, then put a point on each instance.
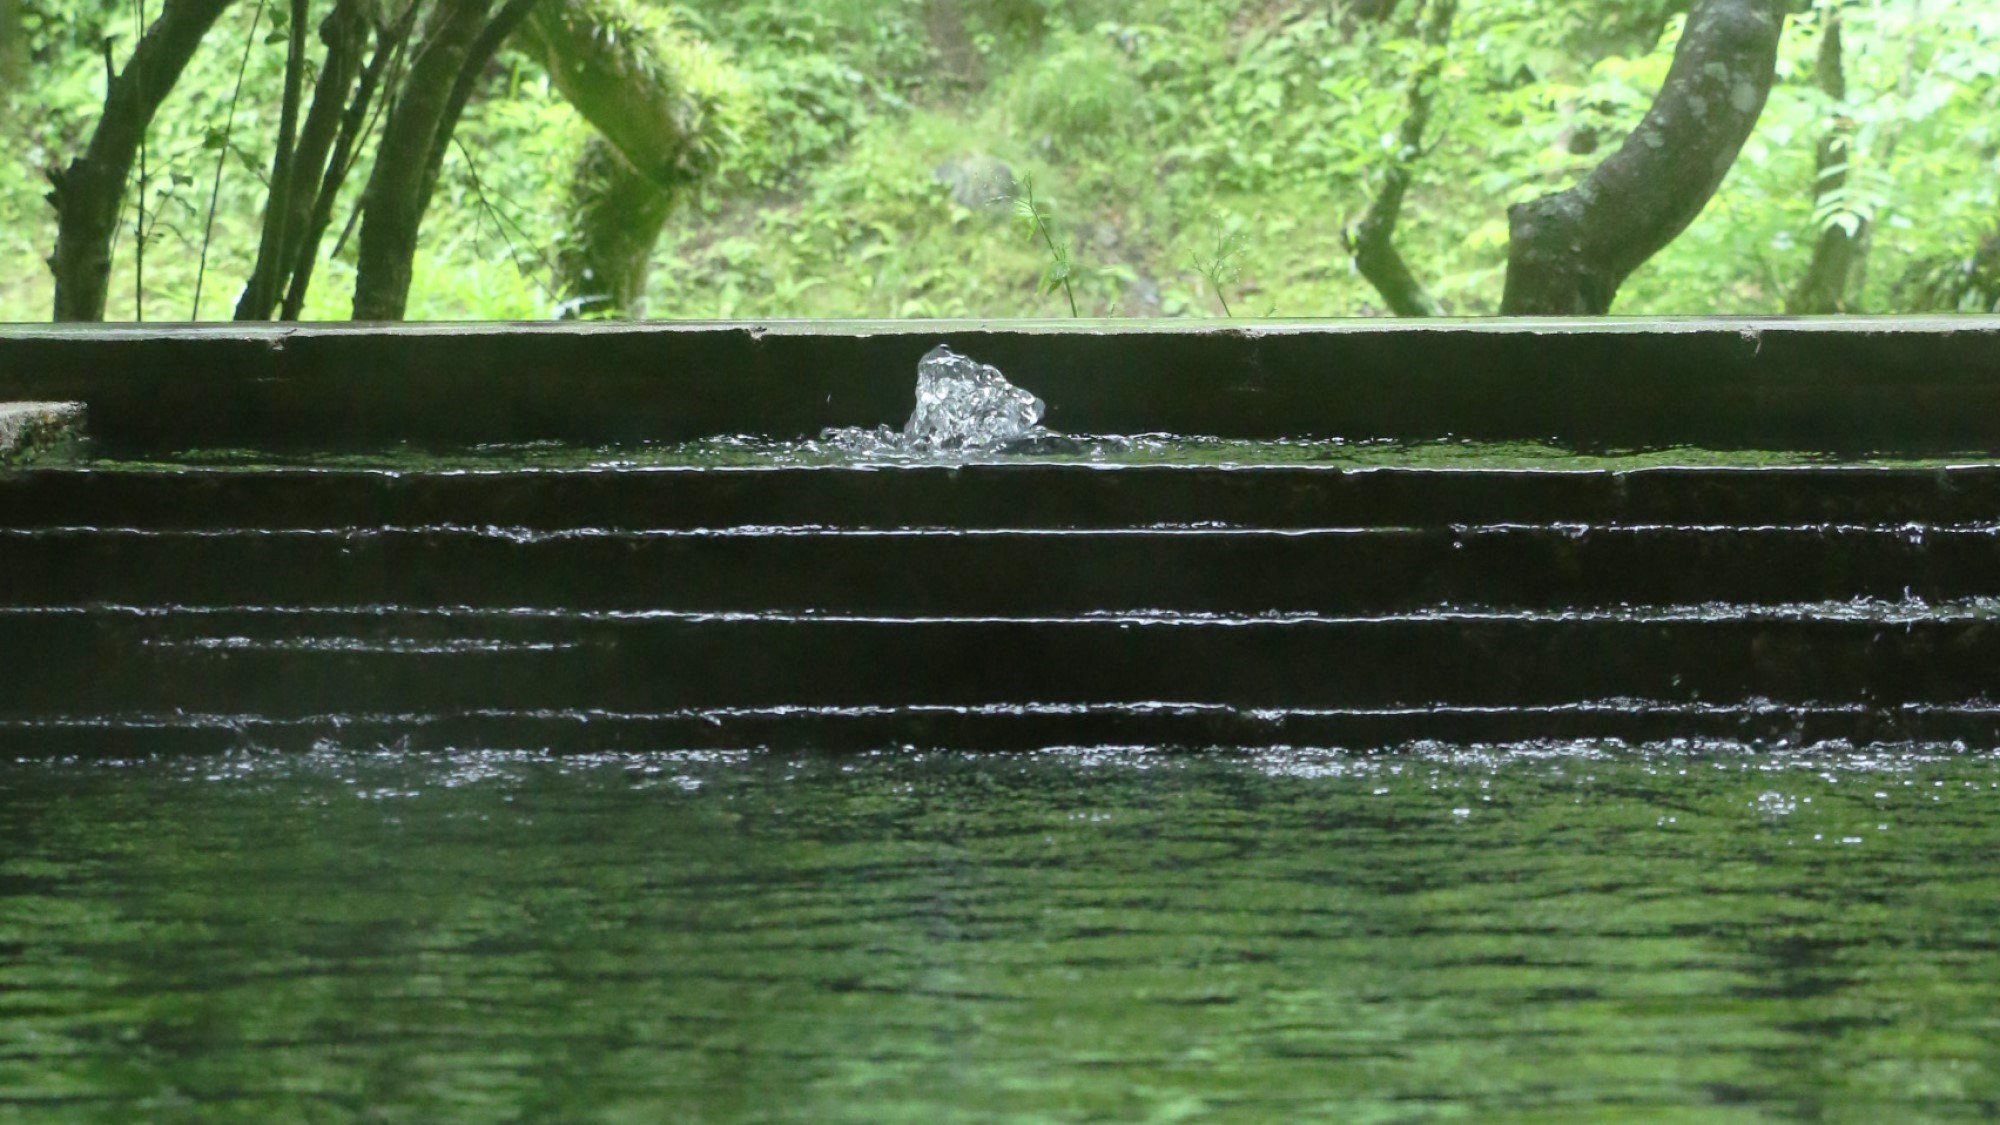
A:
(33, 431)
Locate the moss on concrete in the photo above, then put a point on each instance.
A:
(36, 431)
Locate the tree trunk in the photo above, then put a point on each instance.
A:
(1823, 289)
(398, 190)
(259, 292)
(608, 70)
(497, 31)
(1373, 240)
(458, 45)
(288, 212)
(656, 138)
(1569, 252)
(13, 53)
(389, 41)
(614, 222)
(89, 194)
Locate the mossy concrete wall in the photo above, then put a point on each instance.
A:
(30, 431)
(1909, 386)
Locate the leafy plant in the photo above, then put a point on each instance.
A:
(1060, 266)
(1219, 266)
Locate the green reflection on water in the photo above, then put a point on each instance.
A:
(1538, 932)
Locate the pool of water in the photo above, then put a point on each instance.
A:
(1487, 933)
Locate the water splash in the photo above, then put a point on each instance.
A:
(966, 412)
(965, 404)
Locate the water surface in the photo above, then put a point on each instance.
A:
(1521, 932)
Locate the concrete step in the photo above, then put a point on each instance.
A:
(1004, 572)
(1847, 385)
(994, 606)
(291, 665)
(1043, 496)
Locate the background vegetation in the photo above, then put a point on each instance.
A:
(1184, 155)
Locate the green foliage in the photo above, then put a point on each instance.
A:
(1148, 119)
(1081, 98)
(818, 74)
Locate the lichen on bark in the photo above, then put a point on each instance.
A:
(1569, 252)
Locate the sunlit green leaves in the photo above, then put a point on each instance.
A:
(1147, 118)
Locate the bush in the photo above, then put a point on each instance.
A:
(1082, 98)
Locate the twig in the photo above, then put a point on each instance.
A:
(222, 157)
(1216, 267)
(500, 219)
(139, 230)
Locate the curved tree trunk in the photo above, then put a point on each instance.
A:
(1823, 289)
(458, 45)
(605, 67)
(1373, 240)
(656, 138)
(1569, 252)
(89, 194)
(614, 222)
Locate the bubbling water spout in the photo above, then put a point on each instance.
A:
(965, 404)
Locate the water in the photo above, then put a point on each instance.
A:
(356, 915)
(1581, 930)
(883, 447)
(965, 404)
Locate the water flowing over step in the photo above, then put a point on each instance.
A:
(995, 605)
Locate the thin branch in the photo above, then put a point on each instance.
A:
(139, 226)
(222, 157)
(284, 158)
(1372, 241)
(501, 221)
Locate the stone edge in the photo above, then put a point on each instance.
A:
(34, 431)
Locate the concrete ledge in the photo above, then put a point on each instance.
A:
(32, 430)
(1909, 386)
